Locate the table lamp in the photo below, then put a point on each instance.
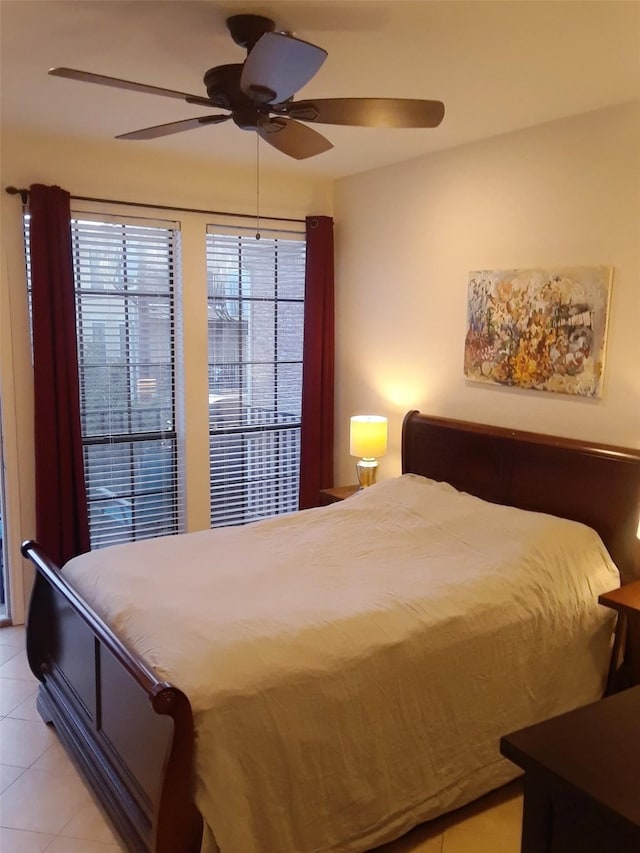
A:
(368, 439)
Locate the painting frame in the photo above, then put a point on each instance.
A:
(539, 329)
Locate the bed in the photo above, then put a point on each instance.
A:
(131, 730)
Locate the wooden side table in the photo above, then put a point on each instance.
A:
(338, 493)
(625, 657)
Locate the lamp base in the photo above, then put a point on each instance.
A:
(367, 470)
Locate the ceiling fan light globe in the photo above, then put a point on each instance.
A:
(281, 63)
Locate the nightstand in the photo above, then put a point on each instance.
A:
(625, 658)
(338, 493)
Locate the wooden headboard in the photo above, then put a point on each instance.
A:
(596, 484)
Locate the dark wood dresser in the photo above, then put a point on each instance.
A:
(582, 778)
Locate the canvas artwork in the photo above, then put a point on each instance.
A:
(539, 329)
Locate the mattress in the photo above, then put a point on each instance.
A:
(351, 668)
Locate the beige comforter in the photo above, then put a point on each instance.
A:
(352, 668)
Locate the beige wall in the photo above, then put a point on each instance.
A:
(561, 194)
(122, 171)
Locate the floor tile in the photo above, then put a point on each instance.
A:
(19, 841)
(496, 815)
(503, 819)
(40, 802)
(12, 635)
(478, 842)
(23, 741)
(56, 762)
(13, 692)
(55, 765)
(418, 840)
(89, 824)
(17, 667)
(8, 775)
(7, 652)
(27, 709)
(75, 845)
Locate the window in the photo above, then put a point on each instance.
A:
(129, 327)
(125, 274)
(255, 319)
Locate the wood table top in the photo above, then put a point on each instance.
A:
(627, 597)
(594, 749)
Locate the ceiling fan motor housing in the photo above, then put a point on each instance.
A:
(223, 87)
(247, 29)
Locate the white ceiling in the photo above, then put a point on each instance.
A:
(498, 66)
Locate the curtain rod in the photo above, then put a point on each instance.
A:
(24, 195)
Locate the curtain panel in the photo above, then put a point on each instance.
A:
(316, 441)
(62, 526)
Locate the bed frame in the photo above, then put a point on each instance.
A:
(131, 735)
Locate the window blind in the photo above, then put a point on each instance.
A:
(126, 273)
(255, 333)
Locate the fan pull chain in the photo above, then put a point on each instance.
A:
(257, 186)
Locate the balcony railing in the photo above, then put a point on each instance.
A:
(133, 479)
(255, 462)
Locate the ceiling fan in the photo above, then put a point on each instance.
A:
(258, 94)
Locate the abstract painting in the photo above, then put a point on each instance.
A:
(539, 329)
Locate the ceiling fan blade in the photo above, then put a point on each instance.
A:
(292, 138)
(366, 112)
(101, 79)
(278, 65)
(173, 127)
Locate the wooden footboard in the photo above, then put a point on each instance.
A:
(130, 734)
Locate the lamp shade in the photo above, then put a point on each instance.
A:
(368, 436)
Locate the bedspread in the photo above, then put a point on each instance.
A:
(351, 668)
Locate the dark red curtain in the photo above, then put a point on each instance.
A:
(316, 450)
(62, 526)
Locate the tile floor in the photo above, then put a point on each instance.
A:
(44, 804)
